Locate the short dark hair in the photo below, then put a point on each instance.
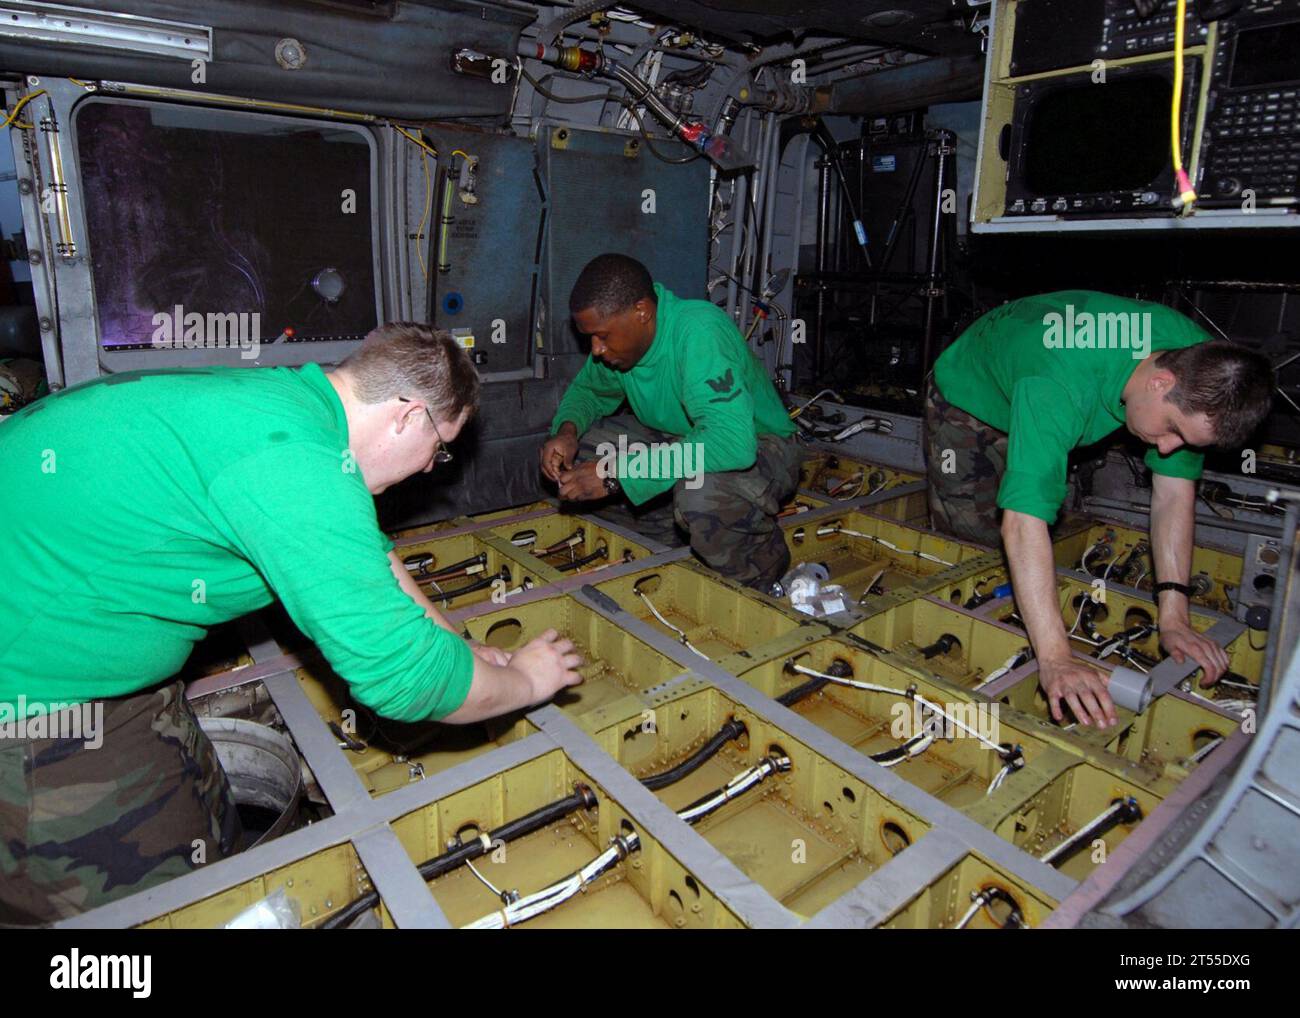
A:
(414, 361)
(611, 283)
(1231, 385)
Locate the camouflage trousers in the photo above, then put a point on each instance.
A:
(965, 460)
(730, 517)
(83, 825)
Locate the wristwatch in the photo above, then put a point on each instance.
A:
(1182, 588)
(612, 487)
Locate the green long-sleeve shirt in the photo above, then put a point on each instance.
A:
(140, 509)
(697, 382)
(1050, 371)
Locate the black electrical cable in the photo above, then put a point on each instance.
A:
(611, 96)
(733, 729)
(1015, 918)
(790, 697)
(582, 798)
(1128, 813)
(945, 643)
(469, 588)
(631, 108)
(422, 576)
(607, 96)
(578, 563)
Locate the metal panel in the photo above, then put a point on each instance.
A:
(339, 69)
(598, 183)
(486, 274)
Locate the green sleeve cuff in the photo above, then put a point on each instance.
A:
(1180, 463)
(1031, 494)
(446, 696)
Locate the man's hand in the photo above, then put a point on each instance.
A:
(1181, 641)
(492, 655)
(548, 663)
(1082, 687)
(582, 483)
(558, 452)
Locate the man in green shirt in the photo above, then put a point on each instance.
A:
(1037, 377)
(141, 509)
(706, 422)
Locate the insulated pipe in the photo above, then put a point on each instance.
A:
(906, 87)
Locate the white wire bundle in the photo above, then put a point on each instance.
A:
(997, 673)
(926, 704)
(834, 489)
(1083, 832)
(1000, 777)
(561, 891)
(680, 634)
(970, 914)
(738, 785)
(828, 530)
(558, 893)
(914, 746)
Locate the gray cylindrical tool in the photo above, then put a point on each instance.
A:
(1129, 689)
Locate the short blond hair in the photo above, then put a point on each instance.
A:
(414, 361)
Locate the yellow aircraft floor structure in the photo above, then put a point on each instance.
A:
(728, 761)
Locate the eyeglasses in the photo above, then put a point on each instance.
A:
(443, 455)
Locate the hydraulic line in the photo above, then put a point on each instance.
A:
(1121, 811)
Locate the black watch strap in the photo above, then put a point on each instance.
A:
(612, 487)
(1182, 588)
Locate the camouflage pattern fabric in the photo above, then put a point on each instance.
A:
(82, 826)
(731, 517)
(964, 500)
